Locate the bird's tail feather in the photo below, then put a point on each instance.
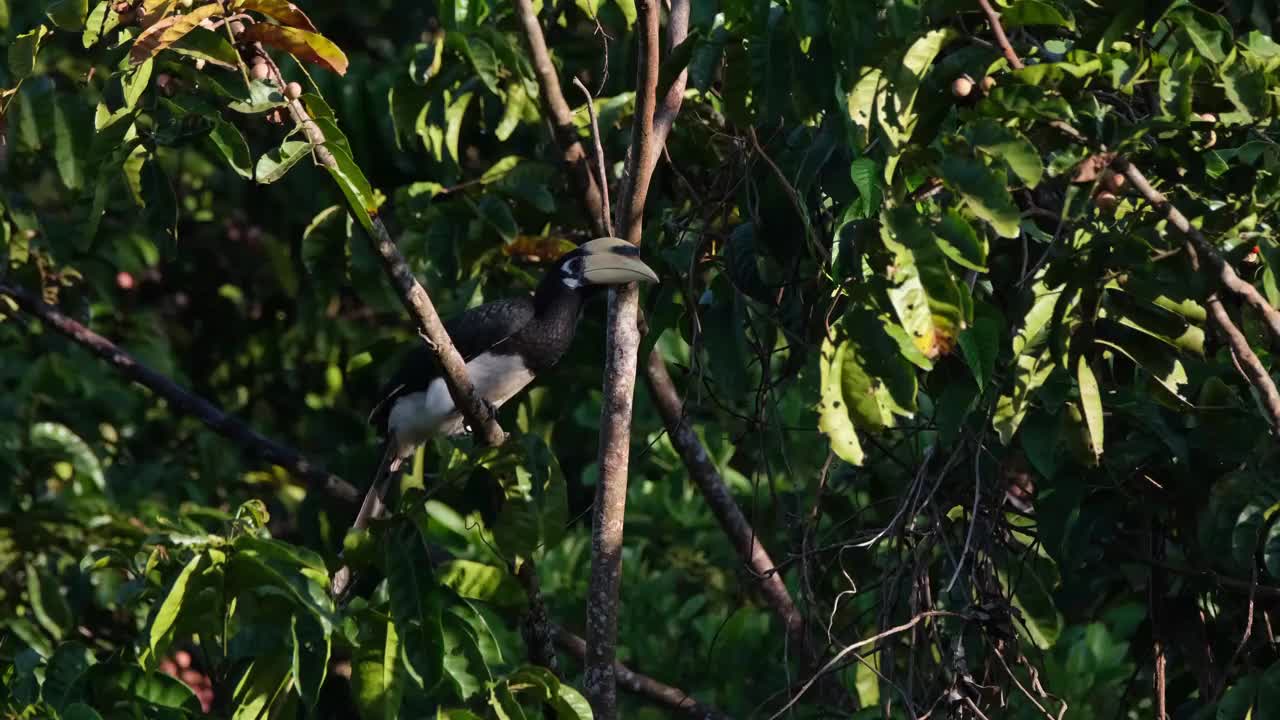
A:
(374, 500)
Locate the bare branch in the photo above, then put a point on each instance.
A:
(602, 175)
(1218, 269)
(716, 493)
(537, 628)
(1001, 39)
(566, 134)
(622, 348)
(643, 685)
(183, 400)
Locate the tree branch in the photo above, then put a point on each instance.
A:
(1001, 39)
(717, 495)
(622, 347)
(411, 293)
(183, 400)
(642, 685)
(1219, 270)
(537, 628)
(565, 132)
(602, 175)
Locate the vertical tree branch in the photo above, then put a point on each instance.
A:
(566, 134)
(182, 400)
(537, 628)
(622, 347)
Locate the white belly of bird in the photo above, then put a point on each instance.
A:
(416, 417)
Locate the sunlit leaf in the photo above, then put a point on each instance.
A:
(302, 44)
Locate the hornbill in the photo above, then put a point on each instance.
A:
(505, 344)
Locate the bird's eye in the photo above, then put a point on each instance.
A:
(573, 268)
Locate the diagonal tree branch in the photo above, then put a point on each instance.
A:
(716, 493)
(1002, 40)
(411, 293)
(1205, 257)
(181, 399)
(643, 685)
(565, 132)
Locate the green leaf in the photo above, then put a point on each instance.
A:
(865, 174)
(833, 414)
(68, 14)
(478, 581)
(47, 602)
(1208, 33)
(60, 438)
(416, 606)
(453, 122)
(277, 162)
(227, 138)
(570, 704)
(535, 506)
(311, 648)
(1010, 146)
(924, 293)
(1036, 12)
(985, 191)
(260, 686)
(79, 711)
(1091, 402)
(134, 83)
(355, 187)
(65, 675)
(373, 673)
(166, 619)
(980, 344)
(113, 683)
(260, 98)
(1029, 373)
(958, 241)
(208, 45)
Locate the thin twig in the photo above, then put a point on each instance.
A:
(183, 400)
(833, 662)
(602, 176)
(565, 132)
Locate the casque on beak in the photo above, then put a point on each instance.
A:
(613, 261)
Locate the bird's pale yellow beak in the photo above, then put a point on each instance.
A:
(614, 261)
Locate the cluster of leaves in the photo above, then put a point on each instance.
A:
(945, 359)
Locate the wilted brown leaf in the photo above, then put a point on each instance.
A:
(302, 44)
(167, 32)
(1092, 166)
(283, 12)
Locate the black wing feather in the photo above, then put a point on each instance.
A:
(473, 332)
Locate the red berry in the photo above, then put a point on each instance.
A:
(124, 280)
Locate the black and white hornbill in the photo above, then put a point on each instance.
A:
(505, 343)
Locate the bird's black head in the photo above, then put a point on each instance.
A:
(599, 263)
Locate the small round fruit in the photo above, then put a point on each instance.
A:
(260, 71)
(166, 84)
(1114, 181)
(258, 60)
(988, 82)
(124, 280)
(237, 27)
(1106, 201)
(200, 63)
(122, 7)
(293, 91)
(962, 86)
